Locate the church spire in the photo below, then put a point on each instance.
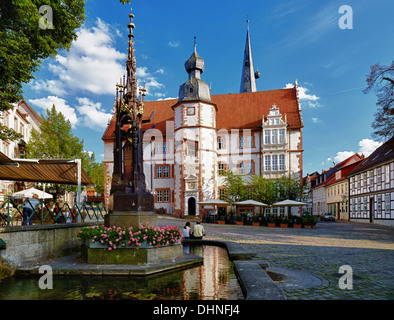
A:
(249, 76)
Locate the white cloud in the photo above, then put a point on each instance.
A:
(174, 44)
(366, 147)
(92, 114)
(151, 83)
(343, 155)
(61, 106)
(316, 120)
(160, 71)
(310, 100)
(92, 64)
(51, 86)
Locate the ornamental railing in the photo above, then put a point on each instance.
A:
(12, 213)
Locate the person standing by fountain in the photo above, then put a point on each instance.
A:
(28, 209)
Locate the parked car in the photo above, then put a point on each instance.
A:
(327, 216)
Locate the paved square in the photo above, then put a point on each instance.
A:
(317, 254)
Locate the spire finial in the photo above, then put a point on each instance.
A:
(195, 43)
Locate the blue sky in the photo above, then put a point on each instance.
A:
(299, 39)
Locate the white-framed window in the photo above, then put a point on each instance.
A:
(282, 138)
(388, 203)
(249, 142)
(164, 147)
(221, 168)
(241, 168)
(267, 163)
(274, 162)
(379, 204)
(166, 196)
(166, 170)
(241, 142)
(159, 196)
(220, 143)
(158, 147)
(191, 149)
(249, 168)
(267, 137)
(159, 172)
(274, 137)
(282, 162)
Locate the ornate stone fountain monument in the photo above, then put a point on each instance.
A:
(130, 203)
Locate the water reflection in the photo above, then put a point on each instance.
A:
(212, 281)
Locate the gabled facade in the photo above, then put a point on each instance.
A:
(330, 192)
(372, 187)
(190, 141)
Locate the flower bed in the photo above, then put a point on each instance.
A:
(122, 237)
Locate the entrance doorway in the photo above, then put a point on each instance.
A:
(191, 206)
(371, 209)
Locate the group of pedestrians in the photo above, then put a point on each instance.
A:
(196, 233)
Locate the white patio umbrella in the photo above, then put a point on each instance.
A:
(212, 202)
(289, 203)
(28, 193)
(251, 203)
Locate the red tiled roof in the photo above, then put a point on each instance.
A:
(235, 111)
(344, 172)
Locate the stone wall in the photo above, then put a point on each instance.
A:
(27, 245)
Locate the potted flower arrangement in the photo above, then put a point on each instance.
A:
(221, 220)
(297, 222)
(309, 222)
(256, 221)
(145, 236)
(284, 222)
(271, 221)
(239, 220)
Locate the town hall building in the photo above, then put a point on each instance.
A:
(190, 141)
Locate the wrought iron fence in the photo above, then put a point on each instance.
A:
(13, 212)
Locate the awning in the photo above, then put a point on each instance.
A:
(60, 171)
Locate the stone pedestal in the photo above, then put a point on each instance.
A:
(130, 210)
(130, 219)
(131, 256)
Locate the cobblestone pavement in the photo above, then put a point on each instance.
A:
(314, 256)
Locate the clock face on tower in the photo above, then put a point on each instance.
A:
(190, 111)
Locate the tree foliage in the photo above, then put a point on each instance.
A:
(56, 141)
(381, 79)
(24, 45)
(264, 190)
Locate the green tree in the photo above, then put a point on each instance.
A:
(263, 190)
(289, 187)
(56, 141)
(234, 187)
(24, 44)
(381, 79)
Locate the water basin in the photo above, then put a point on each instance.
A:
(214, 280)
